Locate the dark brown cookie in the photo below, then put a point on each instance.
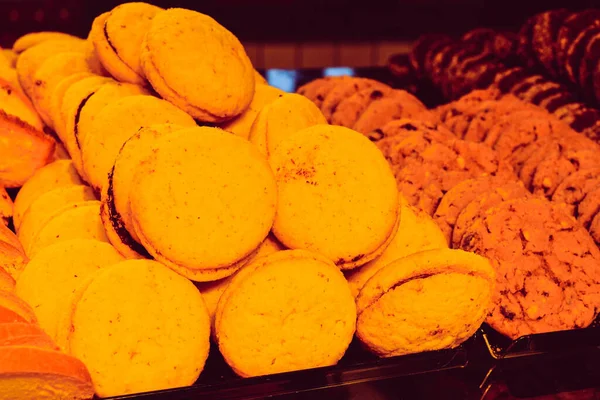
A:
(505, 46)
(476, 72)
(575, 187)
(526, 84)
(457, 198)
(525, 48)
(554, 102)
(545, 31)
(588, 67)
(511, 189)
(568, 32)
(441, 60)
(593, 132)
(547, 267)
(538, 93)
(506, 80)
(576, 52)
(421, 48)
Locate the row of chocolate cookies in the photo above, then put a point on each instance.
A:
(565, 45)
(547, 265)
(482, 58)
(556, 98)
(458, 66)
(362, 104)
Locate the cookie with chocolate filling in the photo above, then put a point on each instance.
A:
(569, 31)
(545, 31)
(588, 68)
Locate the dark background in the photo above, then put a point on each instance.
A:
(292, 20)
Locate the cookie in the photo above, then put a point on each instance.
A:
(345, 88)
(588, 68)
(23, 150)
(127, 352)
(75, 98)
(90, 104)
(263, 96)
(552, 103)
(595, 228)
(102, 143)
(525, 84)
(56, 272)
(402, 128)
(318, 89)
(75, 221)
(588, 207)
(545, 31)
(547, 267)
(56, 100)
(115, 211)
(6, 207)
(124, 31)
(12, 255)
(510, 190)
(312, 315)
(575, 187)
(213, 83)
(337, 195)
(456, 199)
(538, 93)
(285, 116)
(428, 174)
(568, 32)
(46, 206)
(417, 232)
(401, 310)
(420, 49)
(34, 38)
(508, 79)
(576, 51)
(203, 237)
(31, 59)
(49, 75)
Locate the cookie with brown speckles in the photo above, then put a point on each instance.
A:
(547, 266)
(345, 88)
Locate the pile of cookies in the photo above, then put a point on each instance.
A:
(271, 232)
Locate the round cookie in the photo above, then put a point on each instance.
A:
(510, 190)
(263, 96)
(337, 195)
(56, 100)
(128, 351)
(125, 28)
(46, 206)
(203, 237)
(56, 272)
(318, 89)
(345, 88)
(74, 100)
(563, 159)
(371, 108)
(49, 75)
(115, 210)
(417, 232)
(547, 267)
(289, 311)
(89, 107)
(285, 116)
(431, 300)
(75, 221)
(107, 55)
(575, 187)
(457, 198)
(54, 175)
(212, 291)
(34, 38)
(31, 59)
(198, 65)
(402, 128)
(103, 142)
